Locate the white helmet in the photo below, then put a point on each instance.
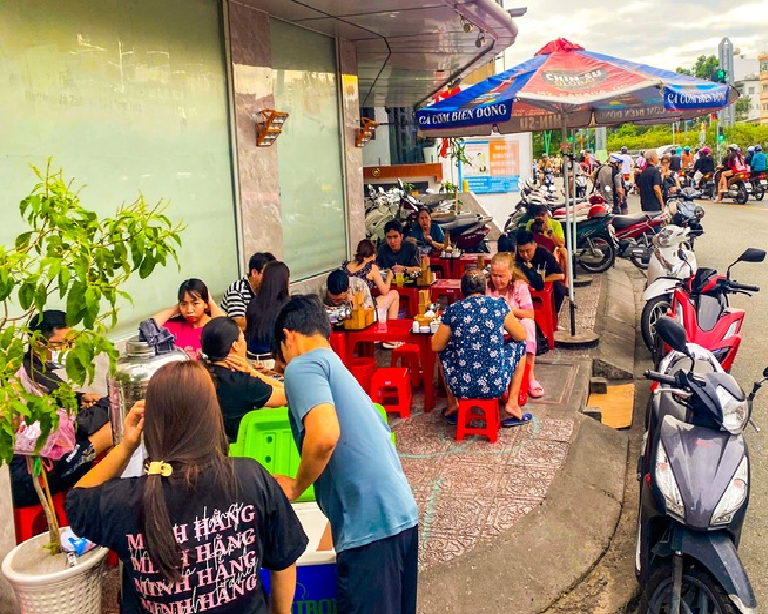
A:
(751, 148)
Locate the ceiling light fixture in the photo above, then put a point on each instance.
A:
(269, 125)
(480, 39)
(466, 24)
(365, 132)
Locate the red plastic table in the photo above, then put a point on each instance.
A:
(394, 331)
(409, 292)
(449, 288)
(339, 344)
(544, 312)
(445, 265)
(466, 261)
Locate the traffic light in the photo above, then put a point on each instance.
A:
(720, 135)
(721, 76)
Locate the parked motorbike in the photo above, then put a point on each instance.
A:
(686, 213)
(672, 260)
(635, 233)
(694, 485)
(701, 305)
(596, 244)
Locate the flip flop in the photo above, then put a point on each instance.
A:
(452, 419)
(535, 389)
(507, 423)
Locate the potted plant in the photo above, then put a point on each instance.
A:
(72, 257)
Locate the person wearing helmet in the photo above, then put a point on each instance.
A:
(676, 160)
(748, 157)
(607, 180)
(759, 160)
(545, 166)
(626, 174)
(705, 164)
(733, 163)
(687, 158)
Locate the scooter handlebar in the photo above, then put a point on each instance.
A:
(744, 287)
(660, 377)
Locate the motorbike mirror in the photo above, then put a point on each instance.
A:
(752, 254)
(672, 333)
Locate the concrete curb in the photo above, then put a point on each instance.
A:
(616, 324)
(551, 549)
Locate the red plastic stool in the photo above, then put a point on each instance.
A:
(490, 410)
(30, 521)
(408, 355)
(388, 382)
(544, 312)
(363, 370)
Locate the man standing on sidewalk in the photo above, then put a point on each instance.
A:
(649, 183)
(346, 451)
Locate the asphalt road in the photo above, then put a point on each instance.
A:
(729, 229)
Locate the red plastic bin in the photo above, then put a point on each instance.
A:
(363, 369)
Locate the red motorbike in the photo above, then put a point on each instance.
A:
(635, 234)
(700, 304)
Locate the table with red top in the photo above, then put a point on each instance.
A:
(411, 292)
(449, 288)
(444, 264)
(394, 331)
(466, 261)
(338, 343)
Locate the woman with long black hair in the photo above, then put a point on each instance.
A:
(263, 309)
(194, 532)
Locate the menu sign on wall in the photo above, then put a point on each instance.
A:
(494, 166)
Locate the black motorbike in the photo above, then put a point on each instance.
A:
(694, 484)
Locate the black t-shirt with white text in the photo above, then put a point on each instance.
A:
(225, 540)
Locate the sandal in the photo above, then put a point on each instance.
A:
(452, 419)
(535, 390)
(507, 423)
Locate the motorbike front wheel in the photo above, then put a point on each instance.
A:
(700, 592)
(598, 255)
(653, 309)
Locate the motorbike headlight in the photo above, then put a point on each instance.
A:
(732, 329)
(735, 412)
(733, 497)
(665, 480)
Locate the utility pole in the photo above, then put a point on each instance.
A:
(725, 59)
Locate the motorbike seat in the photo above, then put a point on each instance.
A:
(623, 221)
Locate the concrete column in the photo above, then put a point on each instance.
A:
(251, 56)
(353, 156)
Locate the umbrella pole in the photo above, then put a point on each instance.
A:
(569, 224)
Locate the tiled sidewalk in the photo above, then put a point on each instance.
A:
(470, 492)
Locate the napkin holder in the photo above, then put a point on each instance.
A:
(362, 316)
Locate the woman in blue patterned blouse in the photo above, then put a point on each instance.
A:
(476, 362)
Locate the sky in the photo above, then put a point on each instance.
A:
(662, 33)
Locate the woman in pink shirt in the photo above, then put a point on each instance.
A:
(511, 285)
(187, 318)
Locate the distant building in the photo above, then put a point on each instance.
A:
(763, 60)
(750, 87)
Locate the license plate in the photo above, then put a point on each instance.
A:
(763, 182)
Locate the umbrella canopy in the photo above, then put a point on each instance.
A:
(564, 82)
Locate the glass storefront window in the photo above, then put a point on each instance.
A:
(309, 150)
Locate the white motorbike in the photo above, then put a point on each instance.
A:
(672, 260)
(380, 208)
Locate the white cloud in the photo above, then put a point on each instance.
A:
(657, 32)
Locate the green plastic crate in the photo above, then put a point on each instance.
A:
(265, 436)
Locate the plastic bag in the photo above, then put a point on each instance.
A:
(59, 442)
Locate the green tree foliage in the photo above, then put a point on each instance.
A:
(705, 68)
(69, 255)
(742, 108)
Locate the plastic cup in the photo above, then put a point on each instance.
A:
(415, 327)
(400, 279)
(381, 312)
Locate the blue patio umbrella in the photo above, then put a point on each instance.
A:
(564, 86)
